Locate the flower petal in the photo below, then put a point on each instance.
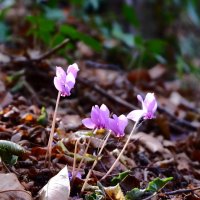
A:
(95, 115)
(123, 121)
(104, 115)
(139, 97)
(135, 115)
(58, 84)
(60, 73)
(70, 81)
(105, 110)
(73, 69)
(118, 124)
(150, 102)
(87, 122)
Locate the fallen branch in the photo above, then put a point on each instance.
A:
(52, 51)
(98, 89)
(25, 61)
(181, 191)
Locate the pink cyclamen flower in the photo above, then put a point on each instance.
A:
(63, 81)
(118, 125)
(149, 106)
(99, 118)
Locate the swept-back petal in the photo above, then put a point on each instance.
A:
(58, 84)
(70, 80)
(123, 121)
(87, 122)
(139, 97)
(118, 125)
(95, 114)
(60, 73)
(105, 111)
(150, 102)
(104, 115)
(73, 69)
(135, 115)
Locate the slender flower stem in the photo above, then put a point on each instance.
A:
(49, 147)
(75, 153)
(95, 162)
(122, 151)
(83, 158)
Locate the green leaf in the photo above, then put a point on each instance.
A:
(130, 15)
(9, 151)
(94, 196)
(74, 34)
(11, 147)
(135, 194)
(156, 46)
(157, 184)
(121, 176)
(138, 41)
(3, 32)
(43, 118)
(41, 28)
(118, 33)
(9, 158)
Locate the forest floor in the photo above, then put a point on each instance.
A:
(167, 146)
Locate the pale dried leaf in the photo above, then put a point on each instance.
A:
(58, 187)
(114, 192)
(10, 182)
(150, 142)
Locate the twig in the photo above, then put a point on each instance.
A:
(126, 104)
(97, 65)
(25, 61)
(149, 197)
(52, 51)
(106, 94)
(172, 192)
(181, 191)
(31, 91)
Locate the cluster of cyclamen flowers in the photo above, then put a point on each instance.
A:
(100, 116)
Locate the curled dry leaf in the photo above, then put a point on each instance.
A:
(114, 192)
(10, 188)
(58, 187)
(150, 142)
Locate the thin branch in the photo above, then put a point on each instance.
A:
(25, 61)
(52, 51)
(100, 90)
(181, 191)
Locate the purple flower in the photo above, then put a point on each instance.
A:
(64, 82)
(78, 175)
(118, 125)
(99, 118)
(149, 106)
